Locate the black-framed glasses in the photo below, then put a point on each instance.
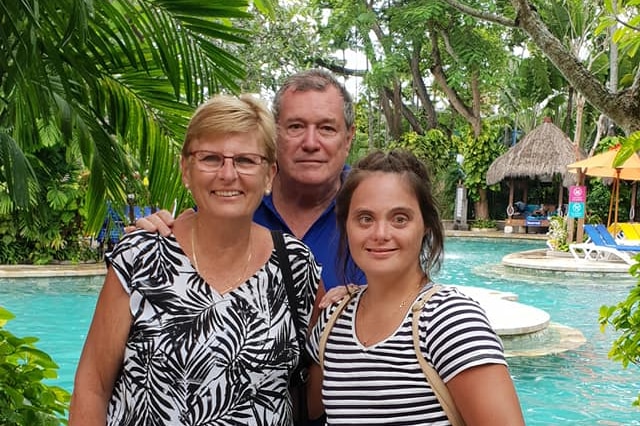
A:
(211, 161)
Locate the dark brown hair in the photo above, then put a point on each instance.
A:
(418, 178)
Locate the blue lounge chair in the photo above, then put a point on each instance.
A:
(610, 240)
(602, 246)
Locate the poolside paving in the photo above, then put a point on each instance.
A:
(58, 270)
(525, 330)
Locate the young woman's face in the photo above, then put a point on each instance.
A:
(385, 226)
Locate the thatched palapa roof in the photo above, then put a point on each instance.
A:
(542, 153)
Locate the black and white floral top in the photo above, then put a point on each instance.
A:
(195, 357)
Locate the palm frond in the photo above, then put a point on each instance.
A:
(17, 170)
(118, 78)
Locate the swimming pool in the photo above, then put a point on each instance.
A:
(581, 387)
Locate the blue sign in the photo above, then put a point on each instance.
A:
(576, 210)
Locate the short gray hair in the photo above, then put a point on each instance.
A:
(318, 80)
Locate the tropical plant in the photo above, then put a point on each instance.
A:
(279, 47)
(478, 155)
(54, 231)
(111, 81)
(557, 234)
(483, 223)
(621, 106)
(624, 318)
(434, 146)
(24, 398)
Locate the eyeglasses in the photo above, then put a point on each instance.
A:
(211, 162)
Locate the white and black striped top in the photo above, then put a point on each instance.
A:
(383, 383)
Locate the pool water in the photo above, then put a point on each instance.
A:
(581, 387)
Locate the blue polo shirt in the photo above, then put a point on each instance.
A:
(322, 238)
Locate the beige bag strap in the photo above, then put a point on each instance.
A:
(438, 386)
(329, 325)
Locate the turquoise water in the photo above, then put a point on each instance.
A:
(581, 387)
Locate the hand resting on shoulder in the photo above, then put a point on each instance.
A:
(160, 222)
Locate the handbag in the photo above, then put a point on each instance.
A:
(300, 375)
(436, 383)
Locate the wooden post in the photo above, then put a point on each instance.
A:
(632, 208)
(570, 229)
(560, 195)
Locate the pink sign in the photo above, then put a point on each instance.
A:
(577, 194)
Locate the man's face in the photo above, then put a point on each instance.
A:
(313, 141)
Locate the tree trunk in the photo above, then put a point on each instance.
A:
(577, 136)
(420, 89)
(623, 107)
(482, 205)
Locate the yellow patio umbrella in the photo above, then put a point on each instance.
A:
(601, 165)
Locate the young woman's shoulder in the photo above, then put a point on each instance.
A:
(448, 294)
(449, 303)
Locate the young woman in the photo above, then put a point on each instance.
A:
(371, 374)
(195, 328)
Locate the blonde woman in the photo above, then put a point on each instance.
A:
(195, 328)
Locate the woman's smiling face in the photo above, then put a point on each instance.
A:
(226, 192)
(384, 225)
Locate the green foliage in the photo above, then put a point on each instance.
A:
(434, 147)
(278, 47)
(599, 199)
(534, 76)
(629, 146)
(624, 317)
(110, 79)
(52, 230)
(558, 233)
(24, 398)
(626, 36)
(479, 154)
(483, 223)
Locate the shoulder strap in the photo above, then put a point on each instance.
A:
(287, 277)
(301, 410)
(329, 325)
(438, 386)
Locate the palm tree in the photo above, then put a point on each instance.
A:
(112, 81)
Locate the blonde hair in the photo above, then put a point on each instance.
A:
(224, 114)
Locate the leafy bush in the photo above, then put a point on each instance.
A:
(51, 228)
(24, 399)
(625, 317)
(558, 233)
(483, 223)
